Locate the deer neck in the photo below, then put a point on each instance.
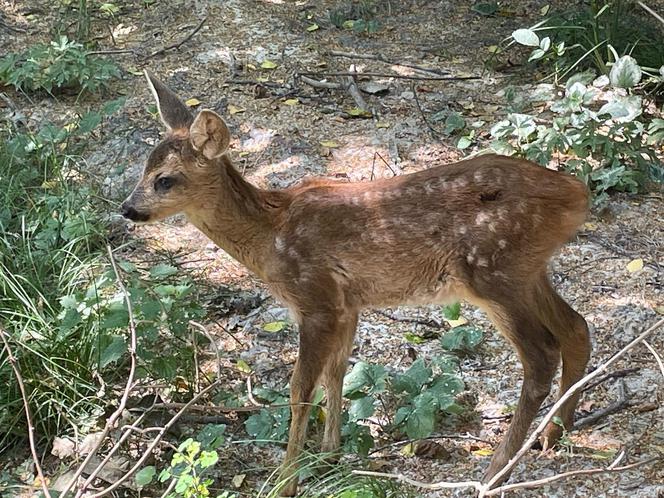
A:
(234, 215)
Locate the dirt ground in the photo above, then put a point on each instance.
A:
(285, 129)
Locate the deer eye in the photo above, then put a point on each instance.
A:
(164, 183)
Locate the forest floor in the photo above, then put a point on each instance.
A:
(285, 129)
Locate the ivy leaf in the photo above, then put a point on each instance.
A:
(526, 37)
(625, 72)
(361, 409)
(145, 476)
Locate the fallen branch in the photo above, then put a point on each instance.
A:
(554, 409)
(153, 444)
(380, 58)
(389, 75)
(622, 402)
(110, 422)
(329, 85)
(434, 132)
(180, 43)
(28, 414)
(354, 92)
(427, 323)
(658, 358)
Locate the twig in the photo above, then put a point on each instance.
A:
(154, 442)
(435, 133)
(110, 422)
(419, 484)
(554, 409)
(214, 345)
(390, 75)
(651, 12)
(180, 43)
(539, 482)
(112, 51)
(427, 323)
(28, 414)
(271, 84)
(227, 409)
(658, 358)
(351, 87)
(250, 394)
(330, 85)
(623, 400)
(352, 55)
(467, 435)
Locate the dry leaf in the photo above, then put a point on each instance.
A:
(243, 366)
(251, 66)
(238, 479)
(458, 322)
(90, 442)
(635, 265)
(590, 226)
(268, 64)
(408, 450)
(291, 101)
(62, 447)
(483, 452)
(431, 450)
(192, 102)
(329, 143)
(382, 124)
(233, 109)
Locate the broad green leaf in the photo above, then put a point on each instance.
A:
(243, 366)
(89, 122)
(268, 64)
(116, 347)
(452, 311)
(361, 409)
(454, 122)
(145, 475)
(364, 377)
(526, 37)
(414, 338)
(625, 72)
(312, 27)
(211, 436)
(163, 270)
(464, 143)
(623, 109)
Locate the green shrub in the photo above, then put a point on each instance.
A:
(60, 65)
(600, 125)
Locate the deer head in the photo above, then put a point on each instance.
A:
(179, 170)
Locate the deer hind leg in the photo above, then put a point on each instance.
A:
(319, 341)
(571, 332)
(539, 354)
(333, 377)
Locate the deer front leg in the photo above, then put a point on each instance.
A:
(319, 339)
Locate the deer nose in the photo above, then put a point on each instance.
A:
(128, 212)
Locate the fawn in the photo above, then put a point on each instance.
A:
(482, 230)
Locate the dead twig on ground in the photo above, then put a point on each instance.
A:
(110, 422)
(488, 489)
(177, 45)
(622, 402)
(434, 132)
(329, 85)
(380, 58)
(651, 12)
(26, 409)
(205, 332)
(388, 75)
(351, 86)
(428, 323)
(658, 358)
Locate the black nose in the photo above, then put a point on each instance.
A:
(129, 212)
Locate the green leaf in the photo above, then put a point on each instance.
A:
(622, 109)
(452, 311)
(526, 37)
(414, 338)
(116, 317)
(212, 436)
(112, 106)
(145, 475)
(485, 8)
(538, 53)
(113, 351)
(163, 270)
(364, 377)
(464, 143)
(268, 64)
(446, 386)
(461, 338)
(421, 421)
(274, 326)
(89, 122)
(208, 459)
(361, 409)
(625, 72)
(312, 27)
(454, 122)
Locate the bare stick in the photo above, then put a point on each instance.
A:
(658, 358)
(214, 345)
(651, 12)
(623, 400)
(110, 422)
(250, 394)
(351, 86)
(419, 484)
(330, 85)
(28, 414)
(154, 443)
(352, 55)
(434, 132)
(180, 43)
(554, 409)
(391, 75)
(540, 482)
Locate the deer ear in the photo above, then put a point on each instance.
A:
(209, 134)
(174, 114)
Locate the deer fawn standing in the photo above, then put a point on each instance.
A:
(482, 230)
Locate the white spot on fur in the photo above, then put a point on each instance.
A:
(470, 259)
(478, 176)
(482, 262)
(502, 243)
(482, 217)
(279, 244)
(461, 230)
(492, 226)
